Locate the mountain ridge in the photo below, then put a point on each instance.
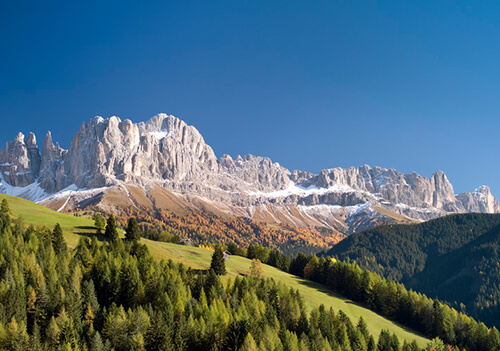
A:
(165, 152)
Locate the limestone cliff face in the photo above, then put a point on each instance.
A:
(20, 161)
(165, 152)
(106, 151)
(52, 176)
(390, 187)
(252, 173)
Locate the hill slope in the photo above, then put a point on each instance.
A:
(34, 214)
(469, 275)
(398, 252)
(454, 258)
(314, 294)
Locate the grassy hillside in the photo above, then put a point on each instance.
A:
(38, 215)
(314, 294)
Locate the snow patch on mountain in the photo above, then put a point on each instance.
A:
(295, 189)
(32, 192)
(163, 134)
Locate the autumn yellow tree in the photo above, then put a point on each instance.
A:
(256, 268)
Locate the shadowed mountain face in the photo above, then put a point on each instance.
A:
(453, 258)
(165, 163)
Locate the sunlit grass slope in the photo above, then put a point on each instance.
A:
(37, 215)
(314, 294)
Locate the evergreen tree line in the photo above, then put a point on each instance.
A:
(393, 300)
(114, 295)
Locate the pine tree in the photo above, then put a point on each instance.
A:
(159, 333)
(52, 333)
(384, 341)
(132, 233)
(58, 239)
(218, 265)
(5, 216)
(111, 231)
(99, 223)
(371, 346)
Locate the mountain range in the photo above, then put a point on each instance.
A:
(165, 163)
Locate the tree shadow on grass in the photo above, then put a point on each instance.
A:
(90, 235)
(83, 227)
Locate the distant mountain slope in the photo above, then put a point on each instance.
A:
(164, 163)
(454, 258)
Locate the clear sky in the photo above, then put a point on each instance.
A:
(411, 85)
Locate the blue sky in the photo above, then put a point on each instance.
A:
(411, 85)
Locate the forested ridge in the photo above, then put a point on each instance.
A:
(115, 295)
(393, 300)
(469, 277)
(454, 258)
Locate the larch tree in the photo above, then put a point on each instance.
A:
(256, 269)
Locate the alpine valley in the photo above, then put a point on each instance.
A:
(164, 164)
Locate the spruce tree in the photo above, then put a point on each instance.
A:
(58, 239)
(111, 231)
(132, 233)
(218, 265)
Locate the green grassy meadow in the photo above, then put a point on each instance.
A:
(197, 258)
(34, 214)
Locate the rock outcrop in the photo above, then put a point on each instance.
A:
(20, 161)
(165, 152)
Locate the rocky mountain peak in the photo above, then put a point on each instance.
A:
(19, 139)
(31, 141)
(20, 161)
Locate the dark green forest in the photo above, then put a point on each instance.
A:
(454, 259)
(469, 277)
